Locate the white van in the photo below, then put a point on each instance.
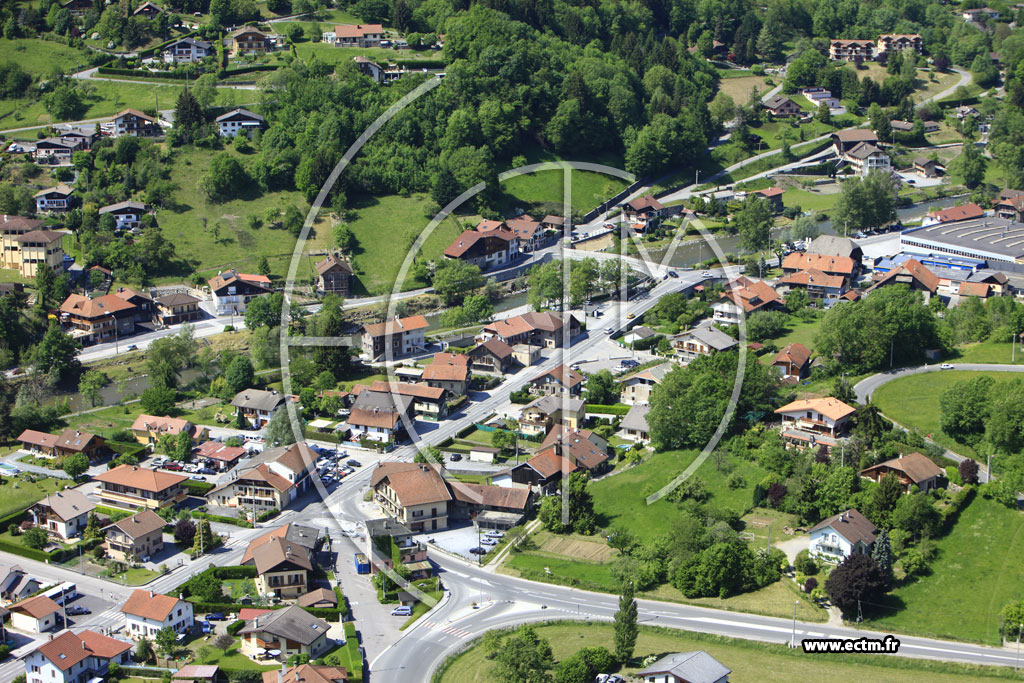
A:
(402, 611)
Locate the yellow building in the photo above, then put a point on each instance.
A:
(25, 245)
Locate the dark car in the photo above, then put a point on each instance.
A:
(673, 273)
(78, 609)
(455, 457)
(172, 466)
(215, 616)
(351, 462)
(478, 551)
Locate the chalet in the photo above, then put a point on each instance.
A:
(395, 338)
(962, 212)
(539, 416)
(232, 291)
(132, 487)
(845, 140)
(865, 157)
(844, 266)
(634, 425)
(63, 514)
(37, 614)
(334, 275)
(150, 429)
(491, 355)
(104, 318)
(147, 10)
(257, 406)
(491, 244)
(370, 68)
(133, 122)
(929, 168)
(127, 215)
(145, 309)
(570, 451)
(57, 150)
(380, 416)
(221, 456)
(308, 673)
(147, 612)
(898, 42)
(272, 481)
(68, 442)
(54, 199)
(1011, 209)
(428, 402)
(415, 494)
(847, 533)
(815, 421)
(77, 8)
(249, 41)
(911, 273)
(85, 136)
(538, 329)
(556, 223)
(557, 381)
(28, 252)
(292, 630)
(965, 111)
(820, 287)
(324, 598)
(980, 13)
(901, 126)
(912, 470)
(772, 195)
(685, 667)
(76, 657)
(529, 232)
(449, 371)
(701, 341)
(636, 389)
(490, 506)
(781, 106)
(187, 50)
(642, 209)
(746, 294)
(177, 308)
(139, 536)
(793, 362)
(15, 584)
(851, 50)
(282, 567)
(354, 35)
(239, 121)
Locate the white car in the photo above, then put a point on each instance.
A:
(706, 273)
(494, 533)
(487, 540)
(946, 366)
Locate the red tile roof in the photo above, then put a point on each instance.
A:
(149, 605)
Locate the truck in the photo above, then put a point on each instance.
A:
(362, 564)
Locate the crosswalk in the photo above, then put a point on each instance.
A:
(450, 630)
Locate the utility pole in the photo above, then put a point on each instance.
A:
(792, 639)
(860, 615)
(1020, 629)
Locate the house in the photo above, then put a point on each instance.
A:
(145, 308)
(77, 7)
(746, 294)
(818, 285)
(527, 355)
(354, 35)
(220, 456)
(965, 111)
(543, 413)
(491, 355)
(415, 494)
(781, 106)
(395, 338)
(379, 416)
(199, 673)
(793, 362)
(845, 140)
(901, 126)
(307, 673)
(428, 402)
(282, 567)
(537, 329)
(64, 514)
(57, 150)
(963, 212)
(150, 430)
(132, 487)
(980, 13)
(847, 533)
(898, 42)
(11, 228)
(929, 168)
(449, 371)
(320, 598)
(634, 425)
(54, 199)
(911, 273)
(274, 479)
(334, 275)
(636, 389)
(75, 658)
(831, 245)
(139, 536)
(147, 10)
(177, 308)
(490, 506)
(555, 223)
(851, 50)
(490, 245)
(386, 538)
(292, 630)
(134, 122)
(1011, 208)
(232, 291)
(642, 210)
(866, 157)
(772, 195)
(257, 406)
(15, 584)
(187, 50)
(830, 265)
(146, 612)
(127, 215)
(701, 341)
(34, 250)
(239, 121)
(532, 236)
(820, 96)
(370, 68)
(68, 442)
(686, 667)
(248, 41)
(912, 470)
(557, 381)
(37, 614)
(814, 421)
(104, 318)
(638, 333)
(569, 451)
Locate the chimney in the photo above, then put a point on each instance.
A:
(255, 622)
(151, 594)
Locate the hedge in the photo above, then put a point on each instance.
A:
(222, 519)
(125, 448)
(617, 409)
(331, 437)
(138, 73)
(248, 69)
(235, 626)
(32, 553)
(235, 572)
(143, 672)
(269, 514)
(420, 64)
(197, 488)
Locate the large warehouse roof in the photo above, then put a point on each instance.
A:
(986, 238)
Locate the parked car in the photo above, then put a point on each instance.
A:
(402, 611)
(206, 626)
(172, 466)
(495, 533)
(478, 551)
(352, 462)
(207, 470)
(455, 457)
(610, 330)
(215, 616)
(673, 273)
(78, 609)
(488, 540)
(132, 347)
(706, 273)
(198, 477)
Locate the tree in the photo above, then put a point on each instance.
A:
(263, 266)
(524, 658)
(57, 354)
(157, 400)
(144, 650)
(75, 465)
(916, 515)
(204, 540)
(90, 384)
(625, 624)
(969, 165)
(36, 538)
(885, 498)
(965, 407)
(223, 642)
(454, 278)
(279, 431)
(881, 553)
(824, 114)
(721, 570)
(184, 533)
(857, 578)
(64, 102)
(225, 179)
(505, 440)
(239, 375)
(968, 469)
(602, 388)
(166, 640)
(188, 116)
(204, 90)
(264, 311)
(868, 202)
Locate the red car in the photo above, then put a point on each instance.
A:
(172, 466)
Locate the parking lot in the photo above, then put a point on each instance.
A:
(456, 540)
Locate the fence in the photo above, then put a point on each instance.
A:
(595, 212)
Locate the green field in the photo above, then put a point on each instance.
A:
(329, 54)
(989, 352)
(808, 200)
(41, 58)
(985, 552)
(913, 401)
(799, 332)
(229, 659)
(749, 661)
(18, 494)
(136, 576)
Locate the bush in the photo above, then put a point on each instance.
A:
(269, 514)
(810, 584)
(736, 481)
(197, 488)
(235, 626)
(805, 564)
(617, 409)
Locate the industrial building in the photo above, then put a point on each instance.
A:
(985, 239)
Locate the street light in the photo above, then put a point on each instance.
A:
(792, 641)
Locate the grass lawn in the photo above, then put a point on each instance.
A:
(926, 88)
(800, 332)
(213, 236)
(808, 200)
(739, 87)
(749, 661)
(135, 577)
(421, 608)
(985, 550)
(478, 436)
(42, 57)
(18, 494)
(329, 54)
(913, 401)
(240, 587)
(989, 352)
(229, 659)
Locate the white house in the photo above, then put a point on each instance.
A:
(75, 658)
(146, 612)
(127, 215)
(686, 667)
(842, 535)
(822, 415)
(187, 50)
(239, 121)
(54, 199)
(258, 406)
(37, 614)
(819, 96)
(64, 513)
